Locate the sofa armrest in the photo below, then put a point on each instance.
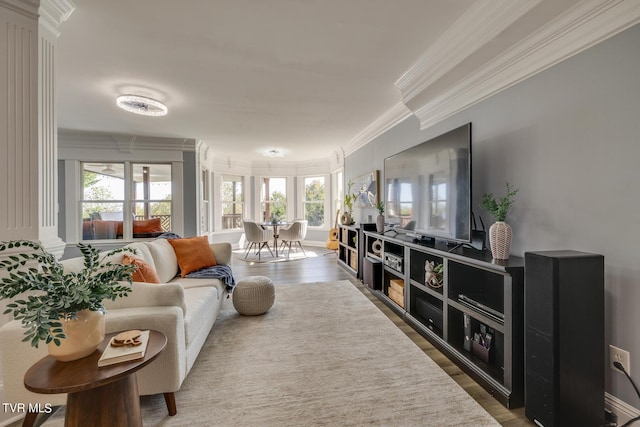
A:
(150, 295)
(222, 252)
(172, 362)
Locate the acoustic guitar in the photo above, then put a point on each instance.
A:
(332, 241)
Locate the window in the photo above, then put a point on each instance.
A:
(123, 200)
(232, 196)
(314, 200)
(152, 199)
(274, 199)
(102, 201)
(204, 201)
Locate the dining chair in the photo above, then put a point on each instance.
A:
(294, 234)
(257, 237)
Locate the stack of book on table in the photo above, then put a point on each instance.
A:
(119, 351)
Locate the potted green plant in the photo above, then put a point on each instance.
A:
(349, 199)
(500, 233)
(63, 309)
(380, 217)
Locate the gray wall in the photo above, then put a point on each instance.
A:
(569, 139)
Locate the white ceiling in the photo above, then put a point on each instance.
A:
(312, 78)
(244, 76)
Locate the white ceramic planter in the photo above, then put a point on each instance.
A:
(84, 334)
(500, 235)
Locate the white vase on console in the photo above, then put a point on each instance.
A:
(500, 235)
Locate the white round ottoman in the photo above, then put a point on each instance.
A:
(254, 295)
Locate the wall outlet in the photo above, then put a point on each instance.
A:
(618, 355)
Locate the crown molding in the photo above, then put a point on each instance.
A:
(395, 115)
(55, 12)
(122, 143)
(480, 23)
(581, 27)
(27, 8)
(269, 167)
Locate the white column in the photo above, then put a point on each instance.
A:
(28, 143)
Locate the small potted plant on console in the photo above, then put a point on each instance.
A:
(380, 217)
(500, 233)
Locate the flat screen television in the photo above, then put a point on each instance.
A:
(428, 188)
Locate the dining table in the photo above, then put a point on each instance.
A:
(275, 226)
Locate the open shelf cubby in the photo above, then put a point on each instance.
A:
(478, 298)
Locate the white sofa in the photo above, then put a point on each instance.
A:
(184, 309)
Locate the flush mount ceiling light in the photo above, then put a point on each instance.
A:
(108, 169)
(273, 153)
(141, 105)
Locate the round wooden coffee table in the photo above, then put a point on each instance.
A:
(106, 396)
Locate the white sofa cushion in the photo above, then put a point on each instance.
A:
(165, 259)
(150, 295)
(142, 249)
(143, 252)
(201, 303)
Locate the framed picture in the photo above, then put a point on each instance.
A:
(365, 188)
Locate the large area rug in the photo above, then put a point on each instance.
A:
(324, 355)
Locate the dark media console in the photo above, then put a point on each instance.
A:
(474, 314)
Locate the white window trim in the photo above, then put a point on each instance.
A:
(216, 204)
(290, 195)
(74, 195)
(327, 200)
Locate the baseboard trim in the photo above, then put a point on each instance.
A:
(623, 410)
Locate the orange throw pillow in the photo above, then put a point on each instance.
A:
(193, 253)
(144, 272)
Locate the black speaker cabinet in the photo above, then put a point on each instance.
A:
(362, 249)
(372, 273)
(564, 338)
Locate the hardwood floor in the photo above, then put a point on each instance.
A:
(321, 266)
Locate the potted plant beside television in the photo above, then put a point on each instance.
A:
(500, 233)
(380, 217)
(63, 309)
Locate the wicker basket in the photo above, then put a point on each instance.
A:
(353, 261)
(396, 291)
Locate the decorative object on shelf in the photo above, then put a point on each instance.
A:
(380, 217)
(366, 194)
(63, 309)
(143, 105)
(345, 219)
(376, 247)
(355, 240)
(500, 233)
(433, 274)
(349, 198)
